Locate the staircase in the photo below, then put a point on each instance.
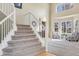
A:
(23, 43)
(20, 40)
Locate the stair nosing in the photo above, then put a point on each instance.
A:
(23, 35)
(23, 40)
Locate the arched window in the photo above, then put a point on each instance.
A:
(64, 6)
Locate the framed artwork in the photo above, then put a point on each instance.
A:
(18, 5)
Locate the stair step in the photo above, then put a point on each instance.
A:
(16, 48)
(23, 26)
(32, 37)
(34, 53)
(24, 31)
(25, 51)
(27, 45)
(23, 43)
(20, 44)
(24, 36)
(27, 28)
(23, 40)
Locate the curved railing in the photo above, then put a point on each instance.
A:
(37, 26)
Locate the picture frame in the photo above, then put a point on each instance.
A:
(18, 5)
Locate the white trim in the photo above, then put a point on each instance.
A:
(66, 16)
(40, 39)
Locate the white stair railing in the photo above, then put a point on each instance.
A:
(6, 8)
(7, 25)
(37, 27)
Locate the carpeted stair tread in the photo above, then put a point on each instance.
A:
(24, 50)
(23, 43)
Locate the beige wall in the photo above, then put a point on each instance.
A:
(38, 9)
(51, 16)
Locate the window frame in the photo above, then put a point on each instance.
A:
(63, 7)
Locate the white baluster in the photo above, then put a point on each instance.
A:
(4, 29)
(4, 8)
(6, 5)
(2, 32)
(7, 9)
(0, 6)
(7, 25)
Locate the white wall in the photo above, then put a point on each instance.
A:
(38, 9)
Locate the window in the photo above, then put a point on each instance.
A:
(62, 7)
(63, 27)
(56, 27)
(67, 27)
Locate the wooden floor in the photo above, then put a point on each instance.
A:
(45, 54)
